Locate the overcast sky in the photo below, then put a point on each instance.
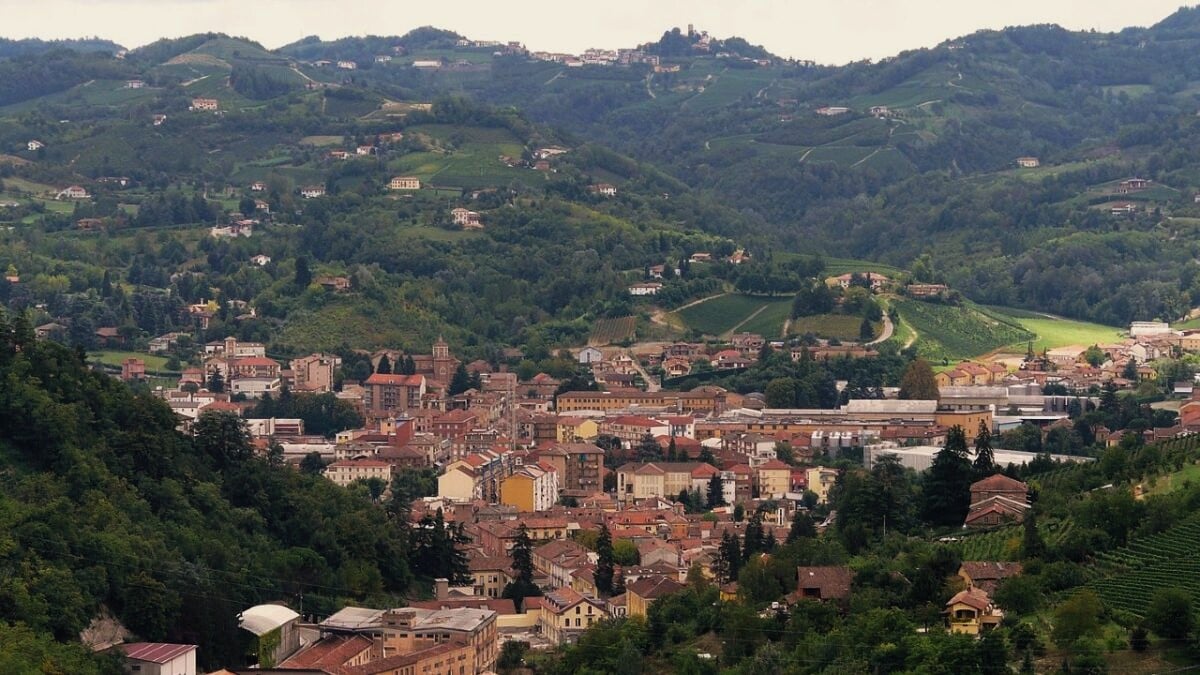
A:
(830, 31)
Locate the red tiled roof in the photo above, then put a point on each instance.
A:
(999, 482)
(394, 379)
(653, 587)
(332, 651)
(155, 652)
(774, 465)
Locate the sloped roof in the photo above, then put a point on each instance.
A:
(652, 587)
(833, 581)
(999, 483)
(155, 652)
(976, 598)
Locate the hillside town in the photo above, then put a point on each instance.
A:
(530, 471)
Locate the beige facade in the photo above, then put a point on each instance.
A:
(346, 472)
(458, 484)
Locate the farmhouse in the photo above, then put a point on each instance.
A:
(73, 192)
(925, 290)
(1132, 185)
(158, 120)
(134, 84)
(832, 110)
(404, 183)
(35, 145)
(603, 189)
(469, 220)
(205, 104)
(312, 191)
(347, 65)
(1028, 162)
(645, 288)
(997, 499)
(427, 64)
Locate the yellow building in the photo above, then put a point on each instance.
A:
(969, 420)
(576, 429)
(971, 612)
(532, 488)
(774, 479)
(820, 481)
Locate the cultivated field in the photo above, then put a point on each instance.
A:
(611, 331)
(948, 333)
(840, 326)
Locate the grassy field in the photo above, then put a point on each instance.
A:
(1054, 332)
(769, 322)
(719, 315)
(114, 358)
(948, 333)
(841, 326)
(839, 266)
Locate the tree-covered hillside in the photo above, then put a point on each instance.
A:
(104, 506)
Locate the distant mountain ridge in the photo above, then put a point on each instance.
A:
(34, 46)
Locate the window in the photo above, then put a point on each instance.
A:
(577, 623)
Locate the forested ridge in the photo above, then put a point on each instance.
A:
(105, 506)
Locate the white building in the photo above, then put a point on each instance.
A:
(1148, 328)
(645, 288)
(255, 387)
(590, 355)
(920, 457)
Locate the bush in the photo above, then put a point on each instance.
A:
(1170, 613)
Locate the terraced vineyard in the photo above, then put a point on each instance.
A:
(1004, 544)
(1129, 576)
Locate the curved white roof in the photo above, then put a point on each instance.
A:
(264, 618)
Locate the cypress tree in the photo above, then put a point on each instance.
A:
(604, 563)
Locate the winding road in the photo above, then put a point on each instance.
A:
(888, 329)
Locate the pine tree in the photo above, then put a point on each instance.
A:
(947, 489)
(410, 366)
(729, 558)
(754, 540)
(216, 381)
(985, 459)
(604, 563)
(803, 527)
(1032, 545)
(716, 491)
(303, 275)
(522, 585)
(460, 381)
(672, 454)
(385, 366)
(866, 332)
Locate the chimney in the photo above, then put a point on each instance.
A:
(441, 588)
